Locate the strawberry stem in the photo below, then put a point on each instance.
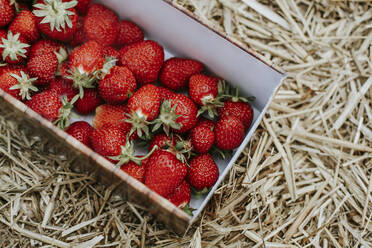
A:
(139, 125)
(127, 154)
(65, 113)
(167, 118)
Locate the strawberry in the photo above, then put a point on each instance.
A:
(81, 130)
(207, 92)
(7, 12)
(181, 196)
(202, 138)
(17, 83)
(89, 102)
(129, 33)
(84, 64)
(165, 93)
(111, 52)
(14, 48)
(134, 170)
(45, 46)
(107, 141)
(164, 172)
(203, 172)
(82, 6)
(144, 107)
(47, 104)
(111, 114)
(176, 72)
(206, 123)
(202, 88)
(56, 18)
(44, 67)
(242, 110)
(144, 59)
(229, 132)
(179, 113)
(63, 87)
(101, 24)
(118, 85)
(26, 24)
(162, 141)
(79, 36)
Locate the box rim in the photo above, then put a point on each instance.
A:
(243, 47)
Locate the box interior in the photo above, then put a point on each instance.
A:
(183, 36)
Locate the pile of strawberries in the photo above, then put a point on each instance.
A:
(65, 56)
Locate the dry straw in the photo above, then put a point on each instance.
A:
(305, 180)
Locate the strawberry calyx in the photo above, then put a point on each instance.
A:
(221, 153)
(182, 149)
(187, 209)
(127, 154)
(13, 47)
(167, 118)
(25, 85)
(55, 12)
(233, 94)
(62, 55)
(199, 193)
(81, 79)
(65, 112)
(211, 104)
(110, 62)
(139, 124)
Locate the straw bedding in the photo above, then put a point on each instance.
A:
(305, 179)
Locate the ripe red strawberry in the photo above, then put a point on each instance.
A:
(114, 115)
(179, 113)
(242, 110)
(181, 196)
(111, 114)
(129, 33)
(165, 93)
(164, 172)
(45, 46)
(17, 83)
(176, 72)
(202, 139)
(79, 36)
(144, 59)
(89, 102)
(117, 86)
(107, 141)
(82, 6)
(44, 67)
(84, 63)
(14, 48)
(144, 107)
(206, 123)
(229, 132)
(101, 24)
(203, 88)
(47, 104)
(111, 52)
(81, 131)
(25, 23)
(207, 92)
(63, 87)
(56, 18)
(134, 170)
(7, 12)
(161, 140)
(203, 172)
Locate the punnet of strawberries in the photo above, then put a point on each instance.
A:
(73, 57)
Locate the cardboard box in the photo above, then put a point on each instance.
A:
(182, 34)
